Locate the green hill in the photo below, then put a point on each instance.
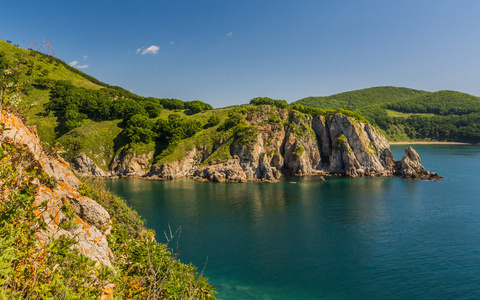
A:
(356, 99)
(438, 103)
(411, 115)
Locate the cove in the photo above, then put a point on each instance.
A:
(302, 238)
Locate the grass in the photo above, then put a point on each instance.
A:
(393, 113)
(96, 139)
(43, 63)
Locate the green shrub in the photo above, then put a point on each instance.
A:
(214, 120)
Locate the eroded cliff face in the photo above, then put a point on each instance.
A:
(91, 219)
(281, 141)
(130, 163)
(296, 144)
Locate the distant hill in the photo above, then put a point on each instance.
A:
(411, 115)
(356, 99)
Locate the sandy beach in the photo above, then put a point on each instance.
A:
(428, 143)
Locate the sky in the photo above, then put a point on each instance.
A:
(226, 52)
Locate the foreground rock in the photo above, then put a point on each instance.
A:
(91, 219)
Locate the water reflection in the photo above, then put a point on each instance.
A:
(363, 238)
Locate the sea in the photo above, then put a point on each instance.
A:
(342, 238)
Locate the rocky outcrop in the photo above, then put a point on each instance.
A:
(274, 141)
(89, 225)
(129, 163)
(26, 138)
(180, 168)
(298, 144)
(84, 166)
(91, 221)
(410, 167)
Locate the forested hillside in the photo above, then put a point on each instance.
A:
(405, 114)
(356, 99)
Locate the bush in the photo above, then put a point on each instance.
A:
(214, 120)
(138, 129)
(176, 128)
(194, 107)
(171, 103)
(269, 101)
(232, 121)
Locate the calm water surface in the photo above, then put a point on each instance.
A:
(300, 238)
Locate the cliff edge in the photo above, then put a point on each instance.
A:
(264, 142)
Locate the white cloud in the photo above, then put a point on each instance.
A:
(230, 34)
(150, 50)
(82, 66)
(73, 63)
(172, 43)
(85, 57)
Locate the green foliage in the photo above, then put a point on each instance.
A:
(313, 111)
(144, 269)
(174, 129)
(299, 151)
(405, 114)
(244, 135)
(439, 103)
(231, 122)
(269, 101)
(152, 106)
(139, 129)
(213, 120)
(196, 106)
(28, 269)
(356, 99)
(171, 103)
(71, 119)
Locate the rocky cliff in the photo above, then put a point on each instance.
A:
(91, 219)
(271, 141)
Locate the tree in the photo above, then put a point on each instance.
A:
(138, 129)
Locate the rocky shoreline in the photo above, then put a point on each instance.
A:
(292, 144)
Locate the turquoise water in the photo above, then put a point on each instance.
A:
(301, 238)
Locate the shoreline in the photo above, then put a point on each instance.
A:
(428, 143)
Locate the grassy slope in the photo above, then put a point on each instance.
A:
(43, 66)
(205, 138)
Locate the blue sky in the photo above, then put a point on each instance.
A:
(226, 52)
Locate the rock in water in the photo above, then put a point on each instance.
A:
(410, 167)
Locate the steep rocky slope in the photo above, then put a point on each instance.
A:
(92, 218)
